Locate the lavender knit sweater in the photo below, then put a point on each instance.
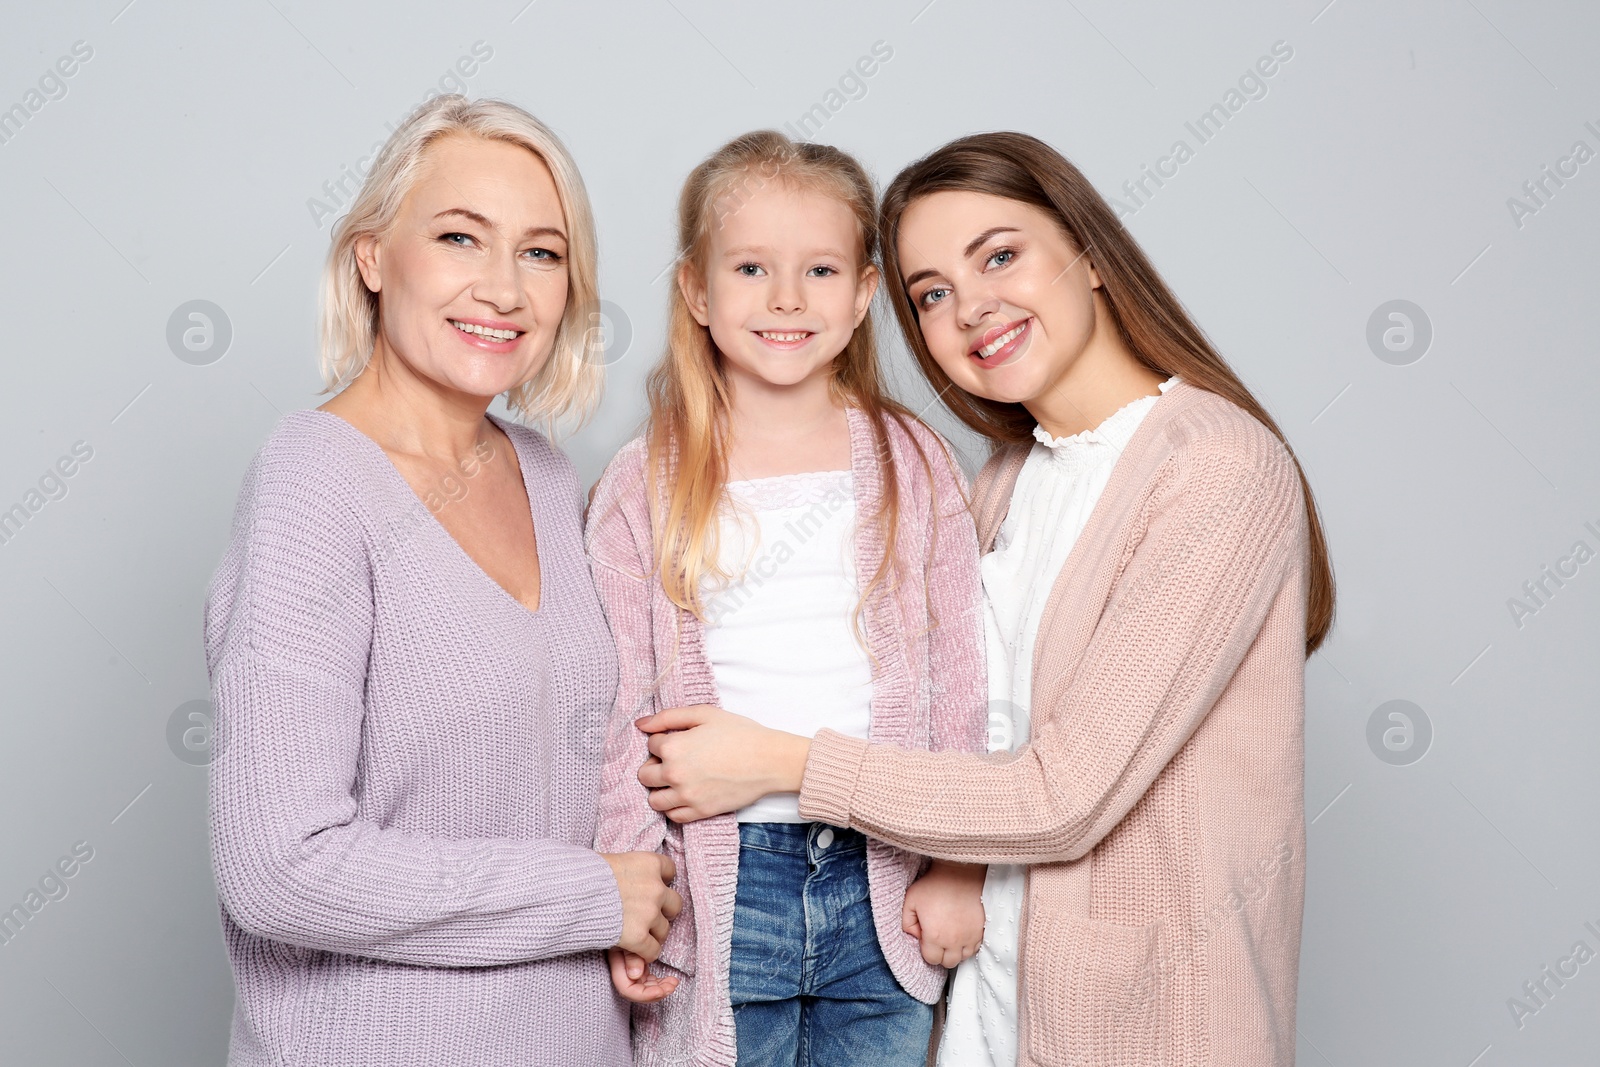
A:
(403, 793)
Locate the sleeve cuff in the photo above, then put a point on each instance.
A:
(597, 899)
(829, 783)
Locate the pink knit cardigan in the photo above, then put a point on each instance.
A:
(1160, 801)
(928, 693)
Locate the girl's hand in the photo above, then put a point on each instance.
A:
(706, 761)
(649, 903)
(944, 910)
(633, 980)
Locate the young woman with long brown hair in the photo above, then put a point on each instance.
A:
(1155, 577)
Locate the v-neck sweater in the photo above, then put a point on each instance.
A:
(928, 693)
(1159, 800)
(406, 764)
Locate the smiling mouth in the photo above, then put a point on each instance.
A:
(1001, 343)
(486, 332)
(784, 337)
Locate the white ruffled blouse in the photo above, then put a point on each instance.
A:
(1056, 490)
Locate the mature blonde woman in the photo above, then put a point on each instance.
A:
(408, 660)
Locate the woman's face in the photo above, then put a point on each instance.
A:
(1006, 304)
(472, 279)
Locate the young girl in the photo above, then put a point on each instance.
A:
(1157, 578)
(789, 542)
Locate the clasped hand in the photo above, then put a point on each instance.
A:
(705, 761)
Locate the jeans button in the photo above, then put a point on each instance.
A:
(825, 838)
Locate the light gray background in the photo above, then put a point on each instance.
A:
(179, 164)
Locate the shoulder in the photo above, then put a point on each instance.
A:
(1208, 439)
(618, 511)
(991, 489)
(312, 463)
(624, 477)
(1004, 458)
(910, 438)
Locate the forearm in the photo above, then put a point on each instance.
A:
(1191, 601)
(422, 902)
(295, 861)
(939, 804)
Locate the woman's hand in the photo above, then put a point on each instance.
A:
(649, 902)
(706, 761)
(632, 978)
(944, 910)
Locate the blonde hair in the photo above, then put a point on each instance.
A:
(569, 381)
(689, 398)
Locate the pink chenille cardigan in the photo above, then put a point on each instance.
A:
(1160, 801)
(928, 693)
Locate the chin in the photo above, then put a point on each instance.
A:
(483, 387)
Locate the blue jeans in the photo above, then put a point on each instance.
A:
(809, 983)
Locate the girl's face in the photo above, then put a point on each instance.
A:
(783, 289)
(480, 242)
(1006, 304)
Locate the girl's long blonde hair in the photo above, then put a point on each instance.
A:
(687, 438)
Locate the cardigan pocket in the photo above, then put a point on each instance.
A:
(1092, 990)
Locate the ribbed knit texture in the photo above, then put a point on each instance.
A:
(1160, 800)
(405, 772)
(928, 693)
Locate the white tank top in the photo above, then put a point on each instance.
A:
(779, 635)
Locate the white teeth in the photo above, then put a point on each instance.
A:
(1000, 342)
(484, 331)
(773, 335)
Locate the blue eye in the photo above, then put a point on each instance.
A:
(822, 271)
(750, 270)
(451, 238)
(544, 254)
(1000, 257)
(932, 296)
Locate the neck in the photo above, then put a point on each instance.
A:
(761, 411)
(1103, 377)
(408, 413)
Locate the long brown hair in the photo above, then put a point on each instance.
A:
(1148, 317)
(689, 400)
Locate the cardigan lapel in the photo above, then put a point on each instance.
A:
(1079, 594)
(992, 499)
(881, 617)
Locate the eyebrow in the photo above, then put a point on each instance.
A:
(977, 242)
(972, 246)
(747, 250)
(482, 220)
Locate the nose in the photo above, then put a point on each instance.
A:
(500, 283)
(975, 308)
(786, 296)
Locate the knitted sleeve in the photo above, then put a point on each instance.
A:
(288, 633)
(1219, 538)
(621, 555)
(957, 671)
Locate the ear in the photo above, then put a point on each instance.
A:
(1094, 276)
(693, 288)
(367, 249)
(865, 290)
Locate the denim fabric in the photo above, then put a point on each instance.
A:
(809, 983)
